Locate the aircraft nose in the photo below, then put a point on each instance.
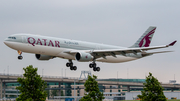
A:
(5, 41)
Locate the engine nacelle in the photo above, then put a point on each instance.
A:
(83, 57)
(43, 57)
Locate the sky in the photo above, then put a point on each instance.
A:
(113, 22)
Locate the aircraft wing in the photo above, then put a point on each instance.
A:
(129, 50)
(114, 52)
(149, 53)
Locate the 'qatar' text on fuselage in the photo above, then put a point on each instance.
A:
(44, 42)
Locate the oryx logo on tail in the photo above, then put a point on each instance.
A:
(145, 39)
(145, 42)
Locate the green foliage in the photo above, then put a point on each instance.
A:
(48, 93)
(91, 87)
(32, 86)
(152, 90)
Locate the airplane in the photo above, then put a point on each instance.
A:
(46, 48)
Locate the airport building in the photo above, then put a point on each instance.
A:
(63, 87)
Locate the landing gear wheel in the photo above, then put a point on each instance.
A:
(75, 68)
(94, 65)
(98, 69)
(20, 57)
(68, 64)
(71, 68)
(94, 68)
(90, 65)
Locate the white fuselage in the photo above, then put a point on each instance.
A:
(58, 47)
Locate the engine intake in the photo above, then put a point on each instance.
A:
(43, 57)
(83, 57)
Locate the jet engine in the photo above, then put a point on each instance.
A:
(83, 57)
(43, 57)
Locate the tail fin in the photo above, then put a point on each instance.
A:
(145, 39)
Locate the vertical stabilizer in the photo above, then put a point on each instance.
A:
(145, 39)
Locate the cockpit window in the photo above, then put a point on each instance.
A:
(12, 37)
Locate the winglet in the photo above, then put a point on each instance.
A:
(171, 44)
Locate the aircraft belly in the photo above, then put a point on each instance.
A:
(119, 59)
(66, 56)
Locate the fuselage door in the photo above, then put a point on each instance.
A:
(23, 39)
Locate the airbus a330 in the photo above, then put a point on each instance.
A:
(46, 48)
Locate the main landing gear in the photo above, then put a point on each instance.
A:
(93, 65)
(70, 64)
(20, 57)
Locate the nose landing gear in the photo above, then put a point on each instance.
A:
(20, 57)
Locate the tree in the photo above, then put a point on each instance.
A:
(32, 87)
(91, 87)
(152, 90)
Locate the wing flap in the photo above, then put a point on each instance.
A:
(156, 52)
